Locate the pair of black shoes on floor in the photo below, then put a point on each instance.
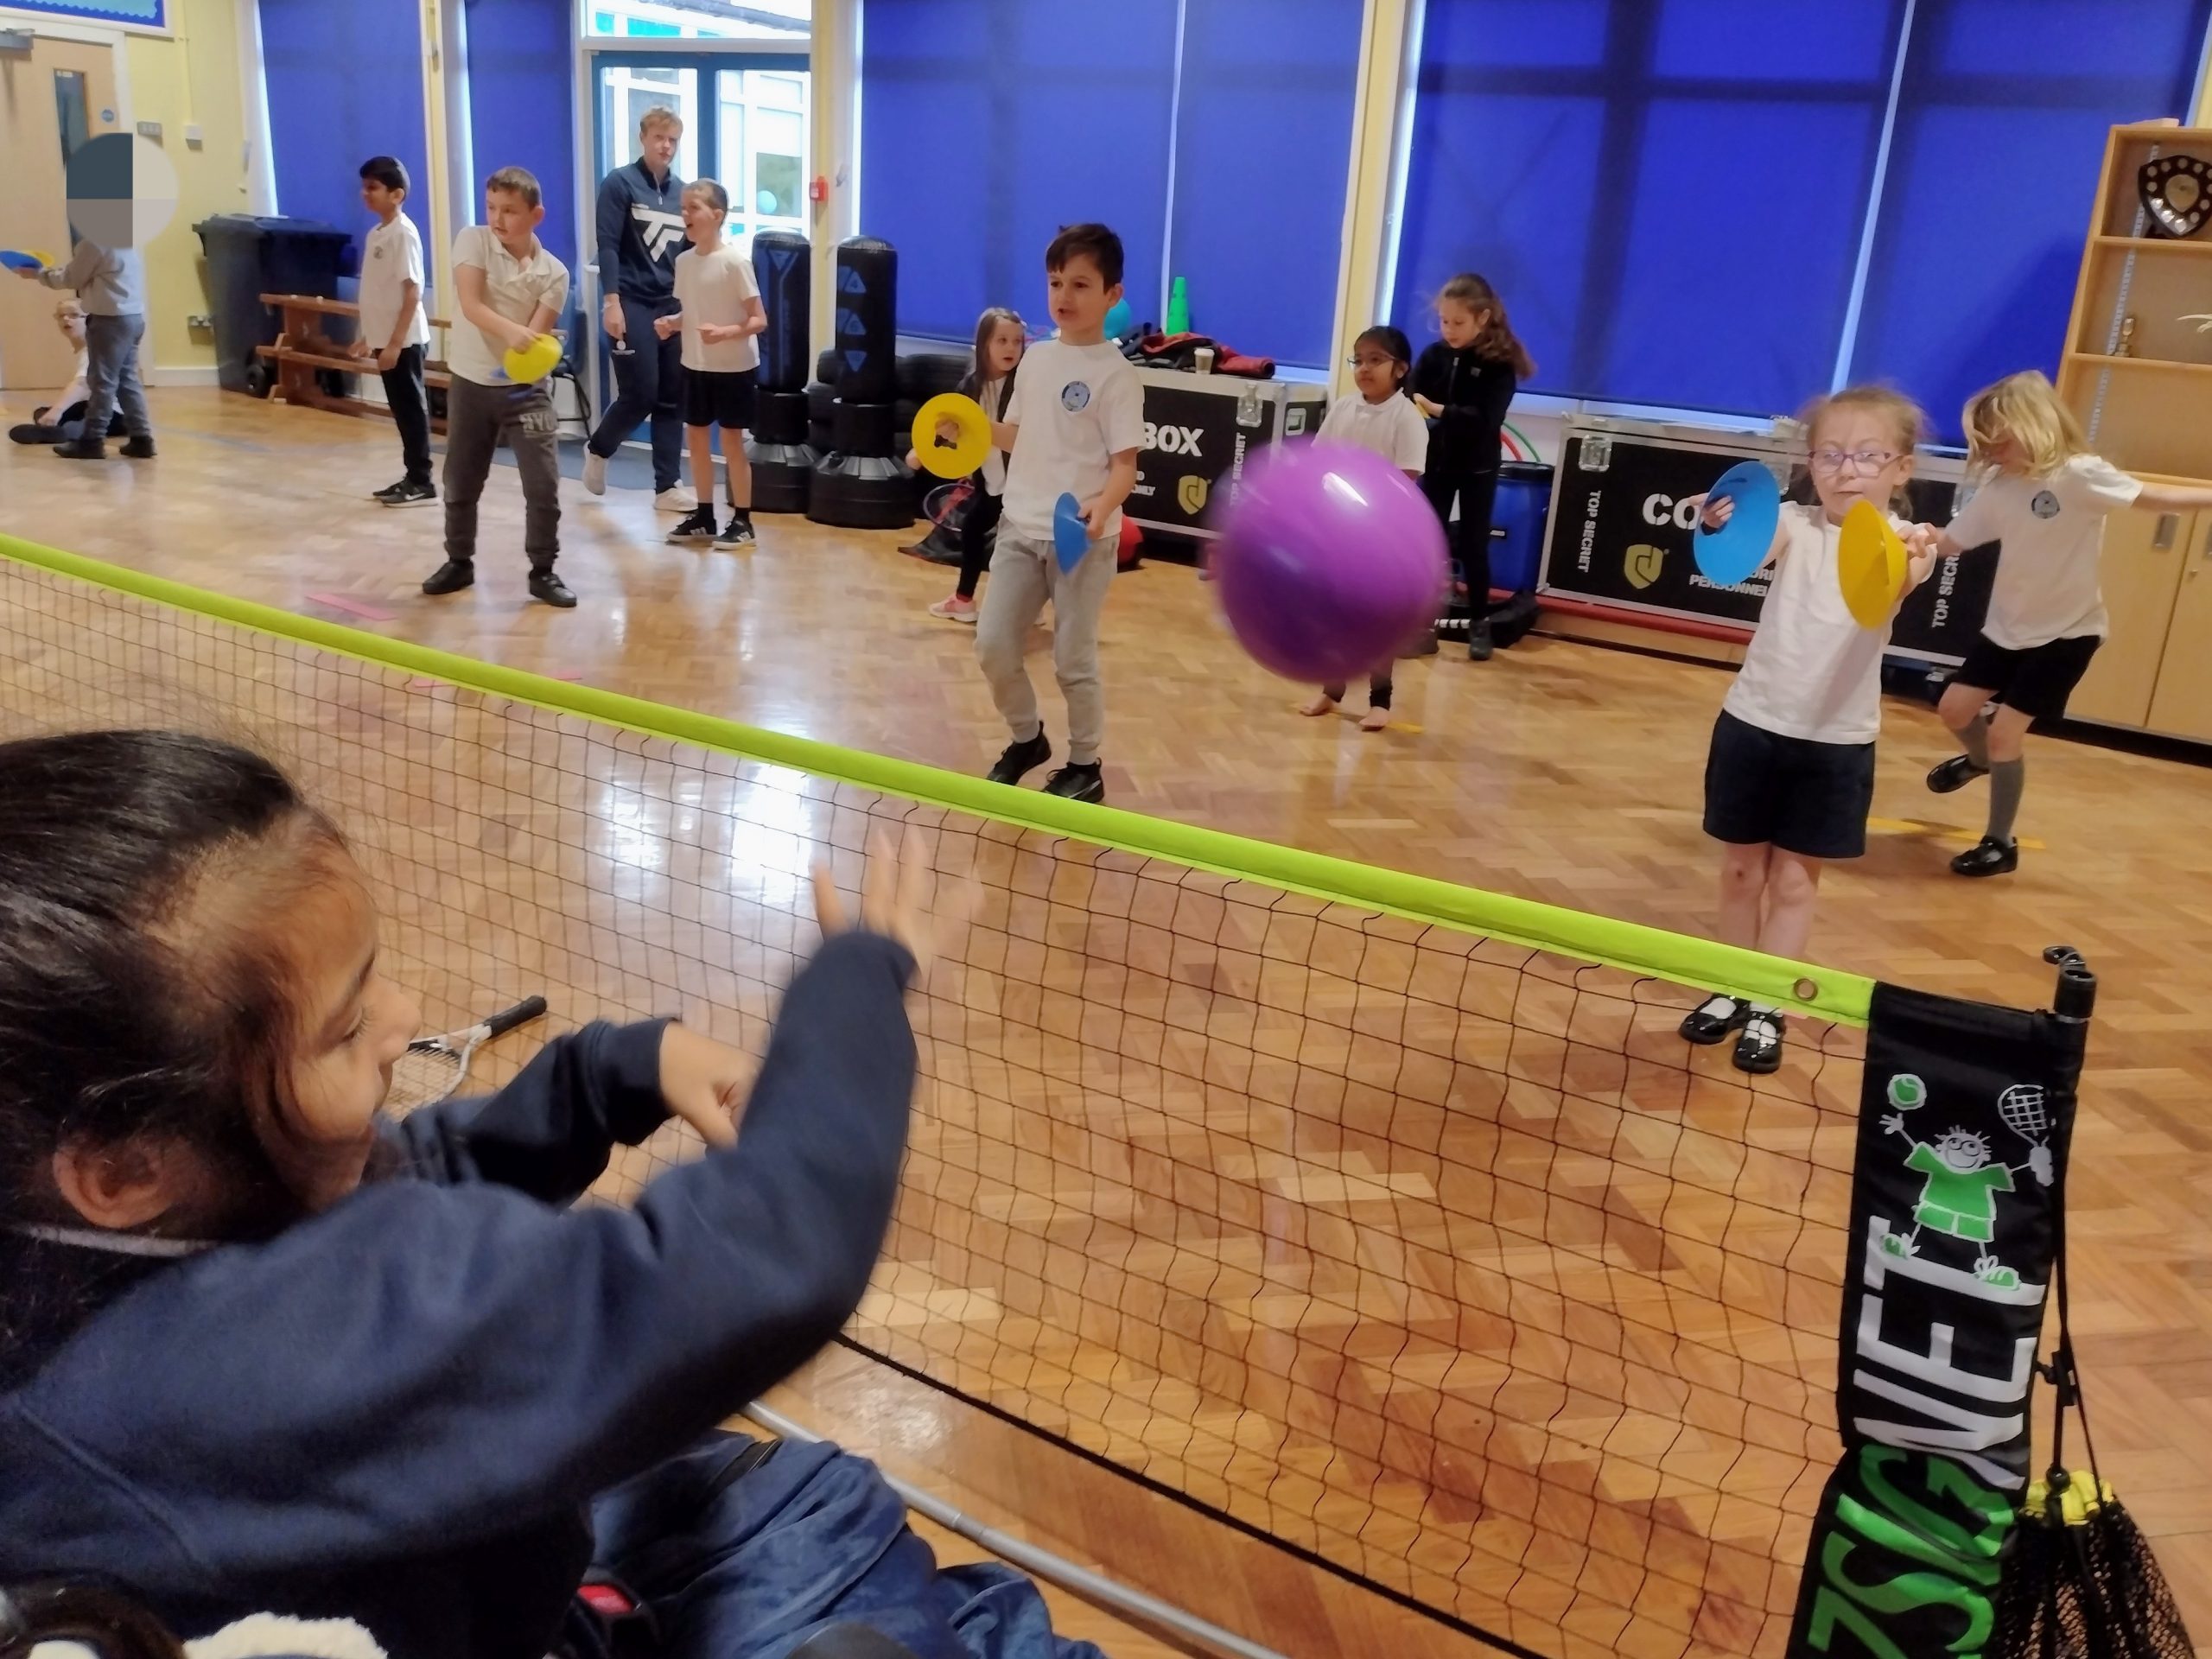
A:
(1758, 1050)
(1989, 856)
(1072, 782)
(545, 586)
(699, 526)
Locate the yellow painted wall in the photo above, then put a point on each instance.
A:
(190, 76)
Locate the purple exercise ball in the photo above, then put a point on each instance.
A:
(1328, 561)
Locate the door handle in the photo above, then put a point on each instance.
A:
(2169, 526)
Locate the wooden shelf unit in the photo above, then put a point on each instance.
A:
(2149, 413)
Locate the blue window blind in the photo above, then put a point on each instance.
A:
(345, 83)
(2001, 138)
(1262, 141)
(1669, 195)
(988, 124)
(521, 98)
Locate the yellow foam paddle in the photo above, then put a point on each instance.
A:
(967, 451)
(533, 365)
(1870, 565)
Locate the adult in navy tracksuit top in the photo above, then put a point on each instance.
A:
(411, 1409)
(640, 231)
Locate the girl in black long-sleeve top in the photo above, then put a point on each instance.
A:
(1465, 383)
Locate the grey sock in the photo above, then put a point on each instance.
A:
(2007, 780)
(1975, 741)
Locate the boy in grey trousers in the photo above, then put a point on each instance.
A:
(110, 285)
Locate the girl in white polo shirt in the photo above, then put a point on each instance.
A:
(1790, 778)
(1379, 417)
(2045, 498)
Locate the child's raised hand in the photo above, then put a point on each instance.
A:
(894, 898)
(701, 1079)
(1711, 513)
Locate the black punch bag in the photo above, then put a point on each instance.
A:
(862, 492)
(782, 266)
(867, 321)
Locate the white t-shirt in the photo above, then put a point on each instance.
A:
(713, 287)
(513, 288)
(994, 463)
(391, 258)
(1811, 671)
(2053, 530)
(1077, 407)
(1393, 429)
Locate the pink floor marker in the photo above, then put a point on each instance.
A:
(351, 606)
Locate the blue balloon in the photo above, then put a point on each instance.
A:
(766, 201)
(1728, 555)
(1120, 320)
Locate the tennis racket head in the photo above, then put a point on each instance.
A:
(2022, 1108)
(433, 1067)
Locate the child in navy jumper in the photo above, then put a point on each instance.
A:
(1465, 383)
(263, 1350)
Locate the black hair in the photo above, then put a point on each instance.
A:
(1102, 247)
(140, 1003)
(1395, 346)
(386, 170)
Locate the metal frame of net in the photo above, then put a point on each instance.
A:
(1440, 1259)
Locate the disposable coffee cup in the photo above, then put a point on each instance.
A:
(1202, 359)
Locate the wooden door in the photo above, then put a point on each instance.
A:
(2182, 702)
(2143, 557)
(71, 81)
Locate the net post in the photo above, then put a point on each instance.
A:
(2077, 996)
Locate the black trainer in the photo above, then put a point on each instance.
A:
(738, 534)
(1758, 1051)
(1479, 641)
(1712, 1020)
(1020, 758)
(547, 585)
(408, 493)
(138, 449)
(451, 577)
(1076, 782)
(698, 525)
(1988, 856)
(1954, 773)
(82, 449)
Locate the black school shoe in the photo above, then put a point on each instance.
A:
(1988, 856)
(139, 448)
(547, 585)
(1479, 642)
(1019, 759)
(450, 577)
(1954, 773)
(1712, 1020)
(82, 449)
(1075, 783)
(1758, 1051)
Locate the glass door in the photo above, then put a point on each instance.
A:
(745, 113)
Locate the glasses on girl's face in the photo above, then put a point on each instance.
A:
(1862, 461)
(1369, 362)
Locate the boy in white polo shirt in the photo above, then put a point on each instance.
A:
(1074, 427)
(512, 291)
(718, 314)
(395, 330)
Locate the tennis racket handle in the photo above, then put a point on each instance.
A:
(522, 1012)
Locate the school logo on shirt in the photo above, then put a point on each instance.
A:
(661, 230)
(2045, 505)
(1076, 394)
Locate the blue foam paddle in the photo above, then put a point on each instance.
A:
(1733, 552)
(1070, 536)
(15, 260)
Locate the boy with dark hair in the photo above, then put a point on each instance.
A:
(394, 328)
(512, 292)
(1073, 427)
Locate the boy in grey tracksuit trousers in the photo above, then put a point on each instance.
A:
(111, 284)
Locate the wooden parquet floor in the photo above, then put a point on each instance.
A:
(1559, 772)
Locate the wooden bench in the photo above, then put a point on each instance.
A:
(303, 348)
